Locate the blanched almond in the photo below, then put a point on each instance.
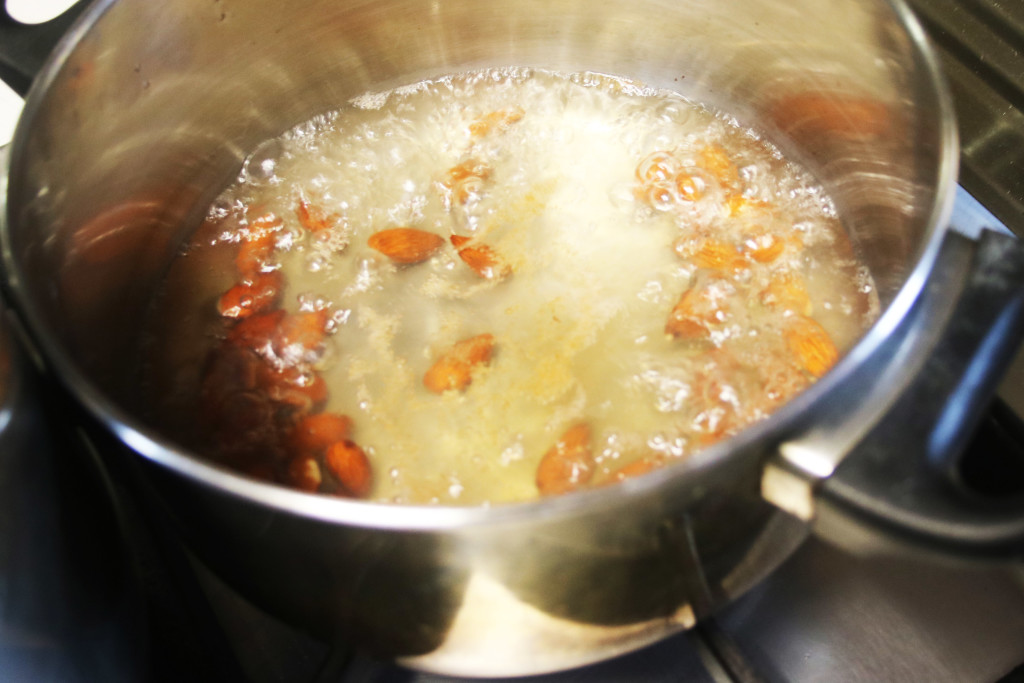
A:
(568, 465)
(454, 370)
(406, 245)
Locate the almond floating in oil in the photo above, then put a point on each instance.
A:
(406, 245)
(568, 465)
(454, 369)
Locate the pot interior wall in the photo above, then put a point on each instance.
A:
(150, 112)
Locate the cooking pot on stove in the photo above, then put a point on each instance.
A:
(146, 110)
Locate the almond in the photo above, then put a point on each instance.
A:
(786, 292)
(314, 434)
(314, 218)
(765, 247)
(690, 187)
(256, 294)
(349, 464)
(454, 370)
(568, 465)
(497, 120)
(256, 332)
(301, 390)
(719, 255)
(714, 160)
(257, 245)
(406, 245)
(484, 261)
(304, 331)
(812, 346)
(657, 166)
(738, 205)
(700, 308)
(635, 469)
(304, 473)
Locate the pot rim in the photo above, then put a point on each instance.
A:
(761, 437)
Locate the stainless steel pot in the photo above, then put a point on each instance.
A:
(146, 110)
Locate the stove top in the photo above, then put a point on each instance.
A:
(94, 586)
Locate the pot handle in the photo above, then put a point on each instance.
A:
(902, 484)
(24, 48)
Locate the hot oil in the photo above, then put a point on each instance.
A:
(596, 258)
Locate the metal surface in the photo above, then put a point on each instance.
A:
(831, 616)
(68, 600)
(129, 133)
(980, 45)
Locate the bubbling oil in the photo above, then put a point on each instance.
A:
(646, 271)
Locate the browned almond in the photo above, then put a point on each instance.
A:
(406, 245)
(454, 370)
(484, 261)
(314, 434)
(349, 464)
(568, 465)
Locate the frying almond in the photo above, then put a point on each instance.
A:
(495, 121)
(315, 433)
(700, 307)
(484, 261)
(454, 370)
(635, 469)
(256, 294)
(314, 218)
(406, 245)
(812, 346)
(349, 464)
(568, 465)
(304, 473)
(787, 292)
